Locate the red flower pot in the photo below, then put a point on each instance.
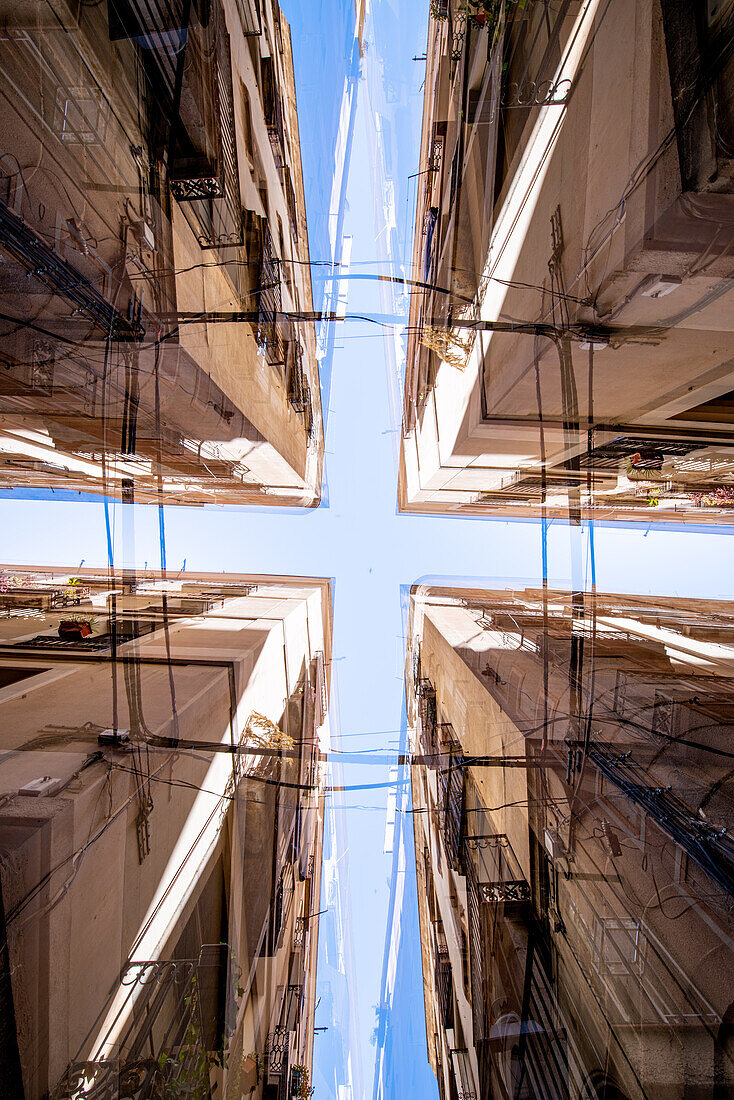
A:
(72, 631)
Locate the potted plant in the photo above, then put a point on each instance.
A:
(74, 590)
(75, 630)
(301, 1083)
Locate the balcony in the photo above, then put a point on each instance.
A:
(269, 329)
(115, 633)
(497, 873)
(299, 391)
(158, 1043)
(463, 1076)
(282, 903)
(250, 17)
(428, 715)
(493, 877)
(204, 173)
(452, 794)
(290, 198)
(40, 598)
(278, 1050)
(444, 981)
(281, 1048)
(273, 110)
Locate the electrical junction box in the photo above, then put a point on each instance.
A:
(44, 785)
(143, 235)
(109, 737)
(554, 846)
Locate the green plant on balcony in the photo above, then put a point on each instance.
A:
(74, 589)
(301, 1083)
(186, 1073)
(487, 13)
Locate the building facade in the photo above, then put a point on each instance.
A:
(162, 824)
(154, 256)
(571, 317)
(572, 804)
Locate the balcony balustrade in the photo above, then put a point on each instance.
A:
(269, 329)
(450, 774)
(444, 982)
(157, 1044)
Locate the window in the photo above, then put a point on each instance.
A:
(81, 116)
(204, 937)
(663, 715)
(618, 946)
(247, 124)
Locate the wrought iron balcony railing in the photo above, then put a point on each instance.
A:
(204, 172)
(451, 787)
(463, 1077)
(298, 388)
(493, 876)
(443, 980)
(157, 1043)
(299, 932)
(499, 877)
(273, 110)
(270, 303)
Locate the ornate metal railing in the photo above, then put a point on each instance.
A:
(430, 226)
(299, 391)
(298, 388)
(273, 111)
(282, 902)
(493, 876)
(278, 1052)
(444, 983)
(277, 1049)
(210, 196)
(499, 876)
(290, 198)
(476, 952)
(428, 714)
(463, 1078)
(160, 1048)
(269, 325)
(434, 160)
(452, 782)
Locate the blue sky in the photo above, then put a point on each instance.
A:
(359, 540)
